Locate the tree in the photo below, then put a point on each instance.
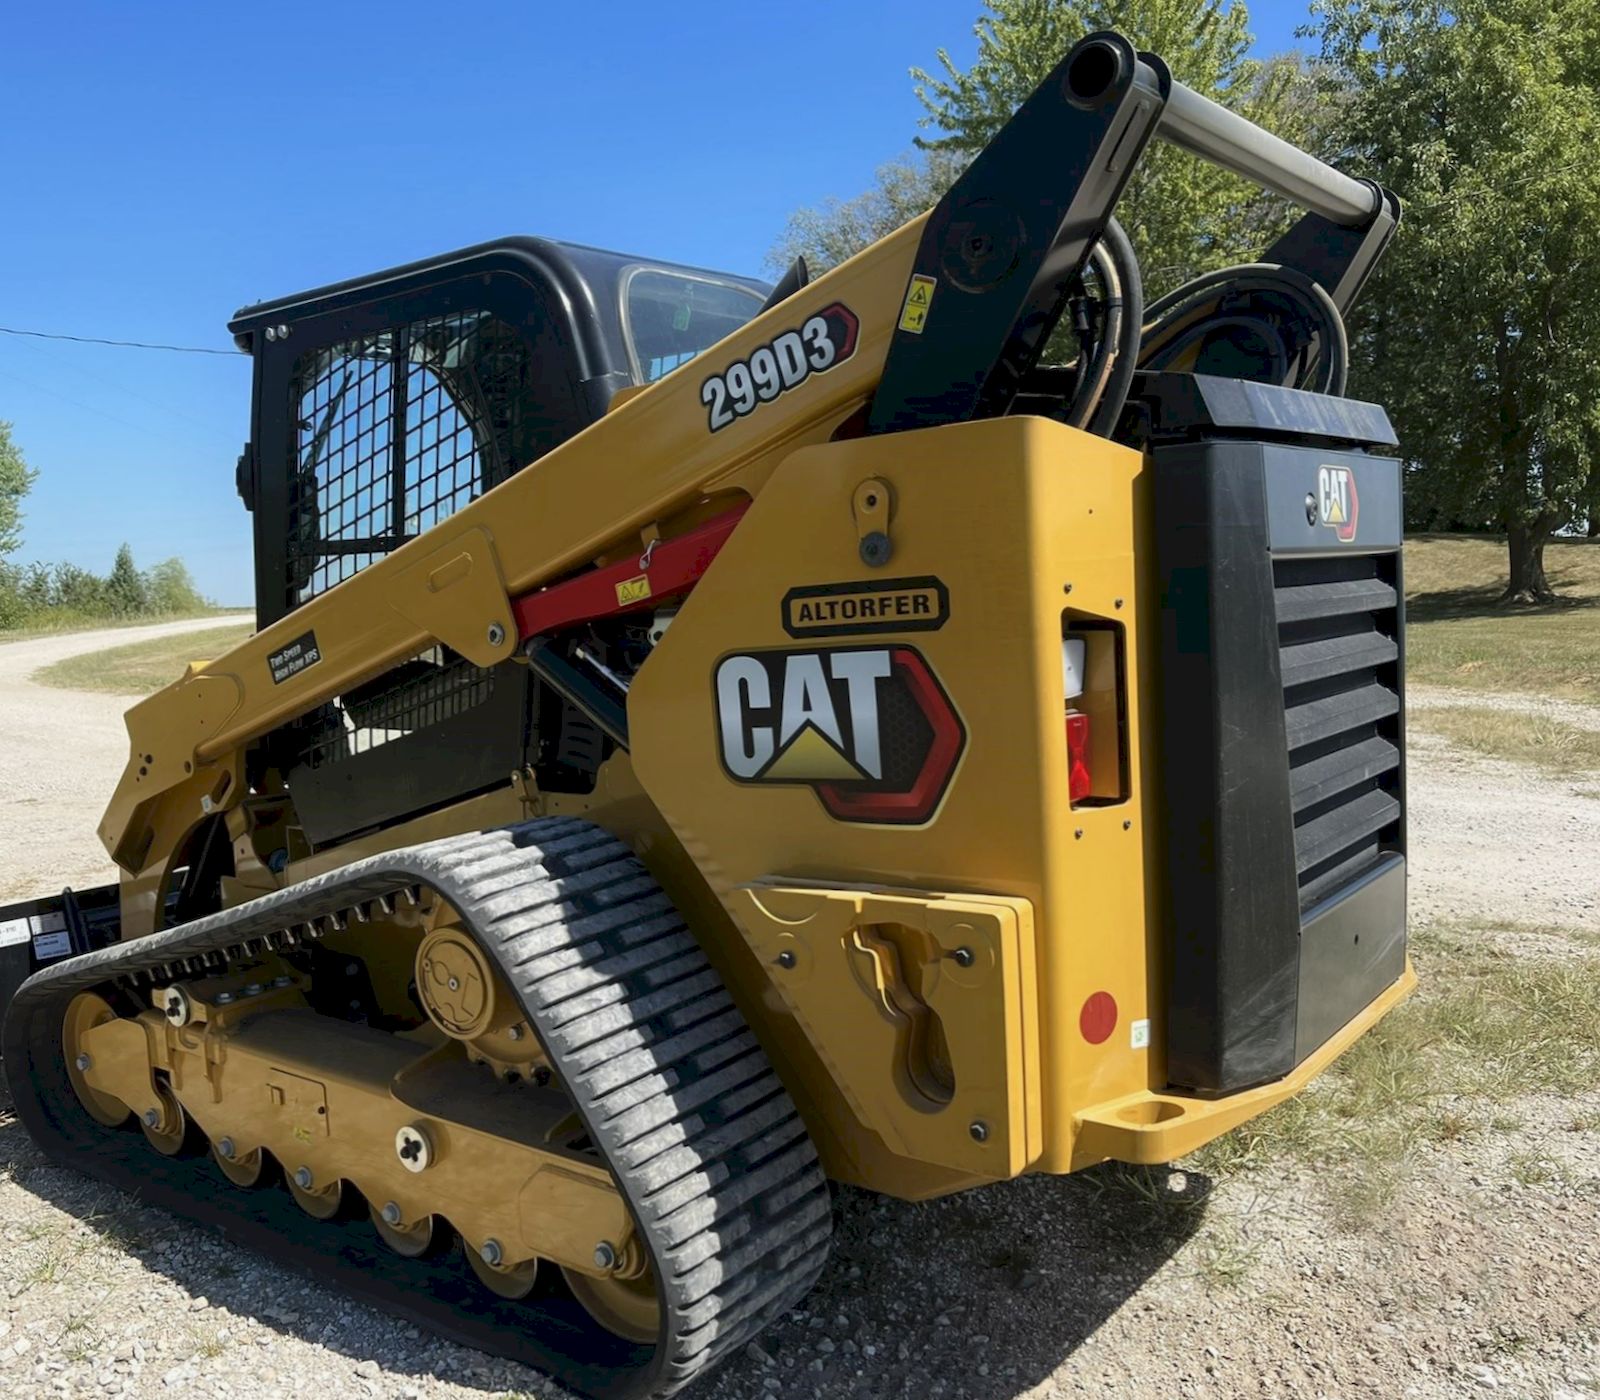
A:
(1481, 329)
(125, 590)
(169, 588)
(15, 481)
(836, 229)
(1183, 215)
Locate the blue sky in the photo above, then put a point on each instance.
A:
(164, 164)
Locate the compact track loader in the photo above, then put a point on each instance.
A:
(913, 727)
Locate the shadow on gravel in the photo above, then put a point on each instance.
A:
(978, 1296)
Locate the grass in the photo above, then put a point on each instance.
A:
(1488, 1026)
(1532, 737)
(141, 667)
(1458, 635)
(52, 622)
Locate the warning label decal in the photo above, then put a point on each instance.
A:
(919, 297)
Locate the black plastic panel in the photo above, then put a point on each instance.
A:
(1234, 912)
(1281, 656)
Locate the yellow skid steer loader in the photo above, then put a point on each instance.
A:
(914, 727)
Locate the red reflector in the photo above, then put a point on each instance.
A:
(1098, 1018)
(1079, 783)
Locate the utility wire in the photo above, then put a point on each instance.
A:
(122, 344)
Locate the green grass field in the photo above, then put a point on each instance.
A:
(141, 667)
(1487, 1026)
(1457, 636)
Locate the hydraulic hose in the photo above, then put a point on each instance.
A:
(1125, 356)
(1173, 316)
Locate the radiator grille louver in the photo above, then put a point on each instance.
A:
(1339, 653)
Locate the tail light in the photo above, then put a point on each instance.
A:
(1074, 655)
(1093, 677)
(1079, 783)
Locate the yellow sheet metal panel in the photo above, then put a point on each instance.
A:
(915, 1004)
(1151, 1128)
(738, 725)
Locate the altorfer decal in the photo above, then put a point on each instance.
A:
(871, 605)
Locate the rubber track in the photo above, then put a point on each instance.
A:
(701, 1137)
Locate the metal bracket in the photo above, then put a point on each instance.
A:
(870, 505)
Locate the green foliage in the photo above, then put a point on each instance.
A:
(125, 590)
(837, 229)
(1481, 329)
(65, 595)
(15, 480)
(170, 589)
(1183, 215)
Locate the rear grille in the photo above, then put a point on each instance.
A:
(1339, 653)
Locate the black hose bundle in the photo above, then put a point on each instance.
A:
(1264, 322)
(1282, 308)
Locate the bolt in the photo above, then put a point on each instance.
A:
(413, 1150)
(1127, 826)
(497, 634)
(515, 1033)
(253, 989)
(391, 1214)
(152, 1118)
(875, 549)
(303, 1178)
(83, 1062)
(787, 958)
(283, 331)
(1311, 509)
(282, 981)
(1078, 834)
(605, 1255)
(1116, 602)
(492, 1253)
(979, 1131)
(455, 986)
(1066, 588)
(224, 998)
(963, 957)
(226, 1149)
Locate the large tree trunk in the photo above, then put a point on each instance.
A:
(1526, 544)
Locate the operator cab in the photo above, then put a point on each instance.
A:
(384, 404)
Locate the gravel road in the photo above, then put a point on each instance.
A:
(1479, 1280)
(61, 753)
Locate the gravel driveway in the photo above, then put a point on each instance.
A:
(1478, 1281)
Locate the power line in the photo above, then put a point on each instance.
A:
(121, 344)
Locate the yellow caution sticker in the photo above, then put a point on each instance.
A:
(633, 590)
(919, 296)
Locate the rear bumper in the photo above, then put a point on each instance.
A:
(1151, 1128)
